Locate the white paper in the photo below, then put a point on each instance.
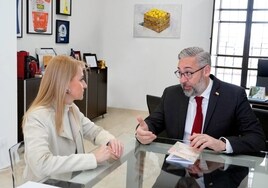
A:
(91, 61)
(184, 151)
(173, 159)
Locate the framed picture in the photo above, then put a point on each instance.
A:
(39, 17)
(77, 55)
(64, 7)
(90, 59)
(257, 92)
(19, 18)
(157, 20)
(62, 31)
(43, 56)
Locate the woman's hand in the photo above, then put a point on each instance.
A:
(116, 148)
(102, 154)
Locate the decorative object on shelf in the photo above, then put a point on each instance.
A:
(62, 31)
(101, 64)
(76, 54)
(39, 17)
(46, 59)
(90, 59)
(157, 20)
(257, 92)
(44, 55)
(22, 67)
(19, 18)
(64, 7)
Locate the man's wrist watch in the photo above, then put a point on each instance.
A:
(224, 141)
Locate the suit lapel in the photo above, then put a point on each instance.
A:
(213, 99)
(72, 130)
(77, 132)
(182, 112)
(67, 132)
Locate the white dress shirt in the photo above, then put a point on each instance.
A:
(192, 111)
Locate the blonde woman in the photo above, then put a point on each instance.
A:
(54, 128)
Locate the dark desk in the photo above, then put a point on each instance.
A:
(259, 104)
(144, 166)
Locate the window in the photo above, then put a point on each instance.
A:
(239, 39)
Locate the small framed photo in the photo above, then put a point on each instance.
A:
(62, 31)
(257, 92)
(39, 17)
(44, 55)
(19, 18)
(90, 59)
(64, 7)
(77, 55)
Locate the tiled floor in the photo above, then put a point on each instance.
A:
(116, 121)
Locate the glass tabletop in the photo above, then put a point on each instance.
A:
(144, 166)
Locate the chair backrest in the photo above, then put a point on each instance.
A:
(262, 116)
(262, 74)
(16, 155)
(152, 102)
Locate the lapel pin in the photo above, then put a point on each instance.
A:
(216, 93)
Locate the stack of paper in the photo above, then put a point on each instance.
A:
(182, 154)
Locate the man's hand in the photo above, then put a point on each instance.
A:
(202, 141)
(142, 132)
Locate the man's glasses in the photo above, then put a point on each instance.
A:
(187, 75)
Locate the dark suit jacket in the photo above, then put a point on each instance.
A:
(229, 114)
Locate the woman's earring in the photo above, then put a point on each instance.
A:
(68, 91)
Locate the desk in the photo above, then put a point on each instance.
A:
(142, 166)
(258, 104)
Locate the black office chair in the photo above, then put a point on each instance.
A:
(152, 103)
(262, 116)
(262, 74)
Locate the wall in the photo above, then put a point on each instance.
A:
(83, 30)
(137, 66)
(8, 80)
(140, 66)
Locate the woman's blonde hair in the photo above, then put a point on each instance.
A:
(52, 91)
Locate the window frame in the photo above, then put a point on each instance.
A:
(214, 45)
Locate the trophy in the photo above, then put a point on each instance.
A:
(101, 64)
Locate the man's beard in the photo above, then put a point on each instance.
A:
(197, 89)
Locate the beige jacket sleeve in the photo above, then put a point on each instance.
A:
(47, 153)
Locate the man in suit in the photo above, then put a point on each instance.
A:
(228, 123)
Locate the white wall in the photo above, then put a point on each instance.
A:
(137, 66)
(83, 30)
(140, 66)
(8, 79)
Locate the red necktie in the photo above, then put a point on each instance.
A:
(198, 120)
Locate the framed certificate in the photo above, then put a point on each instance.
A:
(90, 59)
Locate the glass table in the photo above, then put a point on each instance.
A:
(144, 166)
